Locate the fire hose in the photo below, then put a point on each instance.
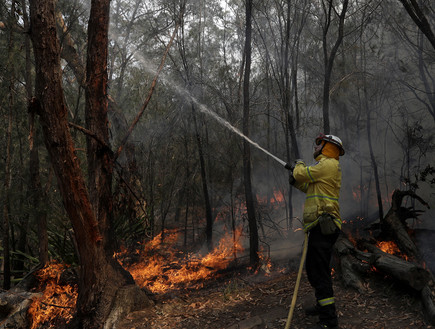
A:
(298, 282)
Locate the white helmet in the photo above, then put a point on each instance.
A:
(331, 139)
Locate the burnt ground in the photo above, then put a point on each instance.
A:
(256, 301)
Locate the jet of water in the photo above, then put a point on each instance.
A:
(226, 124)
(186, 94)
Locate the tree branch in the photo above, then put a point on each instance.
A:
(151, 91)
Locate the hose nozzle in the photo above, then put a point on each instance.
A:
(288, 166)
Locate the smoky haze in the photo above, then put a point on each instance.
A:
(379, 106)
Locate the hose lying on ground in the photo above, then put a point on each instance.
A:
(298, 282)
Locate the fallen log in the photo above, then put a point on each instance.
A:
(414, 275)
(358, 260)
(13, 308)
(353, 263)
(394, 226)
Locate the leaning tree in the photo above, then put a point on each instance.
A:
(102, 281)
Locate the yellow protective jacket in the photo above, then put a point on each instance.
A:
(321, 182)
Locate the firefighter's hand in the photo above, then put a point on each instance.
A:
(291, 179)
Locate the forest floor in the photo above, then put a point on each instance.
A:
(258, 301)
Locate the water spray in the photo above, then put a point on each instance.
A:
(186, 94)
(226, 124)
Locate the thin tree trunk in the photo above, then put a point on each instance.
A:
(6, 201)
(250, 204)
(7, 170)
(208, 210)
(373, 159)
(329, 59)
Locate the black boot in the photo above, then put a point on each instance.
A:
(313, 310)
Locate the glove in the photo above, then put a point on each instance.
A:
(291, 166)
(291, 179)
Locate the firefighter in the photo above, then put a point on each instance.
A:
(321, 218)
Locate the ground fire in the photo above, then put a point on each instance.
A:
(57, 300)
(160, 267)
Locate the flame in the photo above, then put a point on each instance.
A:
(275, 200)
(266, 264)
(277, 197)
(357, 192)
(390, 247)
(161, 267)
(57, 301)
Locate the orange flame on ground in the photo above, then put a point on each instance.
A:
(57, 301)
(162, 267)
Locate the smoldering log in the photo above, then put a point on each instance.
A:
(353, 263)
(402, 270)
(394, 226)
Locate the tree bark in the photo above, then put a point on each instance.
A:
(100, 165)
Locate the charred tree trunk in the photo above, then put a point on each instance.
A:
(101, 281)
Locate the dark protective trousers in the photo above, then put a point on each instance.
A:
(318, 267)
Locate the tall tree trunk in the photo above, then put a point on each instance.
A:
(6, 200)
(36, 191)
(329, 59)
(100, 277)
(250, 204)
(208, 210)
(100, 166)
(373, 158)
(7, 168)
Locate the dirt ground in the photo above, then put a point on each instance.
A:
(257, 301)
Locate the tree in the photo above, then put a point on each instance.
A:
(415, 11)
(329, 10)
(101, 279)
(250, 204)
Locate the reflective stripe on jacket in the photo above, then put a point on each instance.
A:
(321, 182)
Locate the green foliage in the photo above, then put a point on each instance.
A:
(129, 232)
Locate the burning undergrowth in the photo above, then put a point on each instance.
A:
(56, 305)
(159, 266)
